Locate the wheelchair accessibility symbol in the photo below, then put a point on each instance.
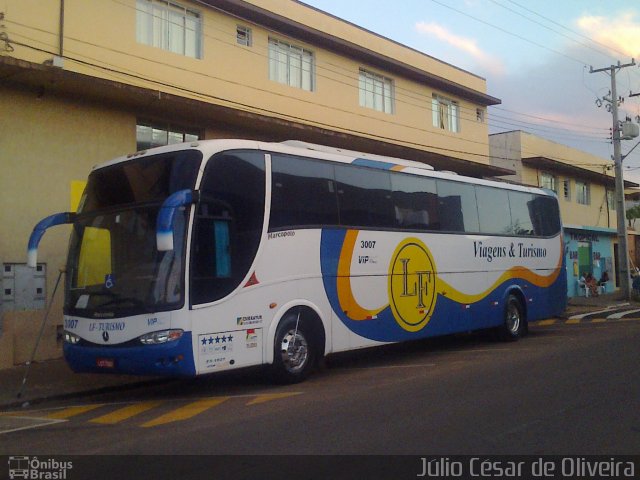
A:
(108, 281)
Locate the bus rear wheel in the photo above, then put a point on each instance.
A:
(514, 324)
(294, 351)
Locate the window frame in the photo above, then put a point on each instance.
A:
(451, 122)
(583, 193)
(611, 199)
(158, 28)
(167, 129)
(566, 189)
(276, 48)
(381, 101)
(549, 181)
(248, 36)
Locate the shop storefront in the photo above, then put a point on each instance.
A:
(589, 250)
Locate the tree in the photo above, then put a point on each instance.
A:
(632, 214)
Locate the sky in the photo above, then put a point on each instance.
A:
(536, 56)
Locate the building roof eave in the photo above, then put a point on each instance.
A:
(577, 172)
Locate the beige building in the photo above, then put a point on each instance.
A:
(585, 186)
(83, 81)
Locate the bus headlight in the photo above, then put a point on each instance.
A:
(162, 336)
(71, 338)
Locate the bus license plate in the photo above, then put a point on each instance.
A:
(105, 363)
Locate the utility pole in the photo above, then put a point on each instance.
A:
(623, 249)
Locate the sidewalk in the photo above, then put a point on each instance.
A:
(577, 305)
(53, 379)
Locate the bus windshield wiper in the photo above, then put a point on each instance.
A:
(120, 300)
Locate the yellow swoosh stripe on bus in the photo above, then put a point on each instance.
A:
(348, 303)
(444, 289)
(356, 312)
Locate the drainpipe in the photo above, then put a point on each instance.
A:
(61, 30)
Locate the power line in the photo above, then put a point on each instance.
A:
(573, 59)
(284, 115)
(568, 29)
(548, 28)
(466, 114)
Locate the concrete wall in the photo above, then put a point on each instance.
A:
(47, 143)
(506, 152)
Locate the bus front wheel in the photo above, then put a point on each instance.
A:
(514, 324)
(294, 350)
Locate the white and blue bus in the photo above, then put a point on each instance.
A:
(222, 254)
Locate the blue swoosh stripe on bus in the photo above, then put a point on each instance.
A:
(365, 162)
(449, 316)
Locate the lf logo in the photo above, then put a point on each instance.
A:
(412, 280)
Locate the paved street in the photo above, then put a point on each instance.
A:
(569, 388)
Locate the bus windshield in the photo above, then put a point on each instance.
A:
(114, 268)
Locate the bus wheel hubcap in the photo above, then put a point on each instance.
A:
(294, 350)
(513, 318)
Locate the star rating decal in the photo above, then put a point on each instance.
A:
(217, 339)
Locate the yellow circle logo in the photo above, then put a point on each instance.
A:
(412, 282)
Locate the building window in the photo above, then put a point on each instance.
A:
(170, 26)
(376, 91)
(291, 65)
(566, 189)
(480, 115)
(583, 194)
(243, 36)
(446, 114)
(611, 200)
(149, 135)
(548, 181)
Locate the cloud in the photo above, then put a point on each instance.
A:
(621, 34)
(466, 45)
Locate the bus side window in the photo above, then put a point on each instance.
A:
(544, 215)
(415, 202)
(457, 207)
(365, 197)
(303, 193)
(521, 220)
(493, 211)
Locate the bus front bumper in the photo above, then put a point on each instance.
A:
(168, 359)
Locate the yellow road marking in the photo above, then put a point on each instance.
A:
(598, 320)
(546, 323)
(125, 413)
(73, 411)
(573, 321)
(186, 412)
(267, 397)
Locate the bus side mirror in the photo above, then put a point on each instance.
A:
(166, 216)
(38, 232)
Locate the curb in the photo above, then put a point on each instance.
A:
(85, 393)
